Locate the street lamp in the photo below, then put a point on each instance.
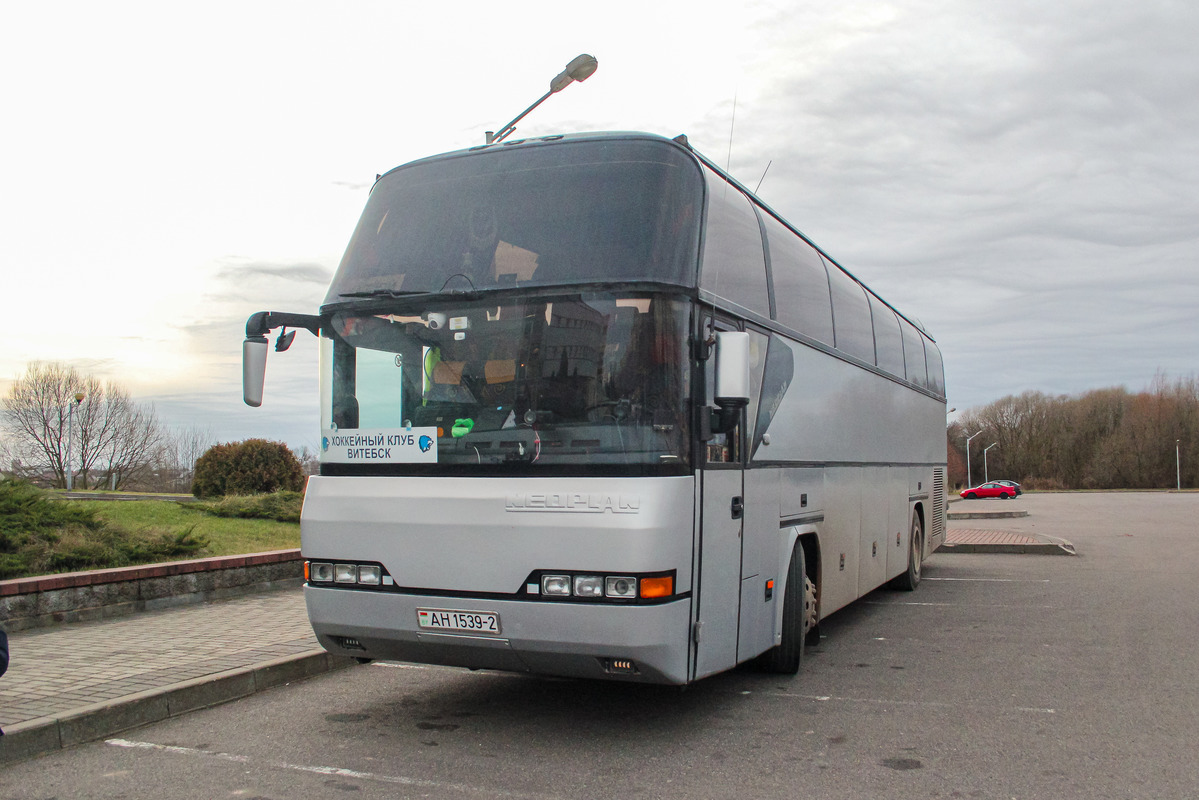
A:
(969, 479)
(579, 69)
(70, 481)
(1177, 465)
(985, 449)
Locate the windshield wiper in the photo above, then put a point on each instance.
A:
(380, 293)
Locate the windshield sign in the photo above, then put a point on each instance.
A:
(380, 446)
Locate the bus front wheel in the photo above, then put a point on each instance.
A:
(798, 602)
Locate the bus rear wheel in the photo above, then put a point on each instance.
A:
(798, 612)
(910, 579)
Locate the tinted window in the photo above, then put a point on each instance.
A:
(536, 214)
(888, 343)
(733, 266)
(936, 371)
(801, 295)
(780, 369)
(913, 354)
(853, 331)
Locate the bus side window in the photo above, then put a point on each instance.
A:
(913, 355)
(936, 369)
(888, 342)
(801, 293)
(853, 329)
(734, 261)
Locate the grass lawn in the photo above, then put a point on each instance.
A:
(227, 536)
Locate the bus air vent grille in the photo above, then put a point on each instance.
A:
(938, 520)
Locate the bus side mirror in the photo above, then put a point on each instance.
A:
(732, 378)
(732, 369)
(253, 369)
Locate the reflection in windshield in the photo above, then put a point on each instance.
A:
(567, 213)
(518, 385)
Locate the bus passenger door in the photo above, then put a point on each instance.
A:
(719, 572)
(722, 503)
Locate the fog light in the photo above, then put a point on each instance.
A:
(620, 587)
(369, 574)
(321, 572)
(589, 586)
(556, 585)
(345, 573)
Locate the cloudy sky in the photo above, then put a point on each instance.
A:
(1020, 176)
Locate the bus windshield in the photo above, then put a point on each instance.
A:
(568, 384)
(591, 211)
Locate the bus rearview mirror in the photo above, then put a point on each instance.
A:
(732, 369)
(253, 369)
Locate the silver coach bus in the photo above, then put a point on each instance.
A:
(591, 409)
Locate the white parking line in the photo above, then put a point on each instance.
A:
(321, 770)
(993, 580)
(912, 703)
(956, 605)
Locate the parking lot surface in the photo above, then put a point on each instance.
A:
(1001, 676)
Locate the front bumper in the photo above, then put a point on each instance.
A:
(542, 637)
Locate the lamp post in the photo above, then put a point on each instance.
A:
(579, 69)
(985, 449)
(70, 477)
(969, 479)
(1177, 465)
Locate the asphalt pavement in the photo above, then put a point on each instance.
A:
(83, 681)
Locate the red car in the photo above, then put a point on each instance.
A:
(992, 489)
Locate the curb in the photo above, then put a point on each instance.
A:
(37, 737)
(1056, 548)
(985, 514)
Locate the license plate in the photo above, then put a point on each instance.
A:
(440, 619)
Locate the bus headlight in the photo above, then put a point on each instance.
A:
(369, 575)
(558, 585)
(589, 586)
(321, 572)
(345, 573)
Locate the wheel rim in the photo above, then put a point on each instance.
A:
(809, 600)
(917, 548)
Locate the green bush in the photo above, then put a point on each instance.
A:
(254, 466)
(279, 506)
(40, 535)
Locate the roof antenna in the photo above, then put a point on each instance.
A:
(759, 186)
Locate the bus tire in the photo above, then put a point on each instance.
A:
(910, 578)
(785, 658)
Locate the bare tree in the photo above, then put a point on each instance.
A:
(175, 460)
(130, 435)
(309, 461)
(53, 409)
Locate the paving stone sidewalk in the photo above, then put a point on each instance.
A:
(965, 540)
(63, 683)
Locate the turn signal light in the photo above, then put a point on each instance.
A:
(657, 587)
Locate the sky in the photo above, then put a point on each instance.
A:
(1019, 176)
